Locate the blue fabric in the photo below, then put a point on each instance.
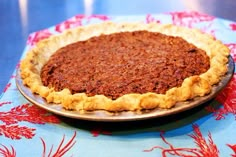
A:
(30, 130)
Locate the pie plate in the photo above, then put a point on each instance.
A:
(101, 115)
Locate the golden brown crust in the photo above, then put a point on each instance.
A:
(191, 87)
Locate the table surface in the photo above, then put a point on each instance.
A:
(19, 18)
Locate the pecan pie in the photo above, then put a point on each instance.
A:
(124, 66)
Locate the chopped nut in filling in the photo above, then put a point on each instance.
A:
(122, 63)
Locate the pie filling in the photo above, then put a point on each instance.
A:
(122, 63)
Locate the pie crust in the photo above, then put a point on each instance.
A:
(194, 86)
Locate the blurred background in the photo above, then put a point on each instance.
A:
(19, 18)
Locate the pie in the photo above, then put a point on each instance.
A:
(124, 66)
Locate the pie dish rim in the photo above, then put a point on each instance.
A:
(124, 116)
(191, 87)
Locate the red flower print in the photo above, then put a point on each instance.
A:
(6, 152)
(233, 26)
(100, 17)
(150, 19)
(203, 149)
(61, 150)
(68, 24)
(27, 113)
(77, 21)
(232, 48)
(233, 147)
(4, 103)
(37, 36)
(228, 98)
(98, 131)
(7, 87)
(16, 132)
(189, 18)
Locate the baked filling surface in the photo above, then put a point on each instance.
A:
(124, 66)
(122, 63)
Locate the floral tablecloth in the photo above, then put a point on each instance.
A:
(208, 130)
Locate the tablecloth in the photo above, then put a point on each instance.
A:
(208, 130)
